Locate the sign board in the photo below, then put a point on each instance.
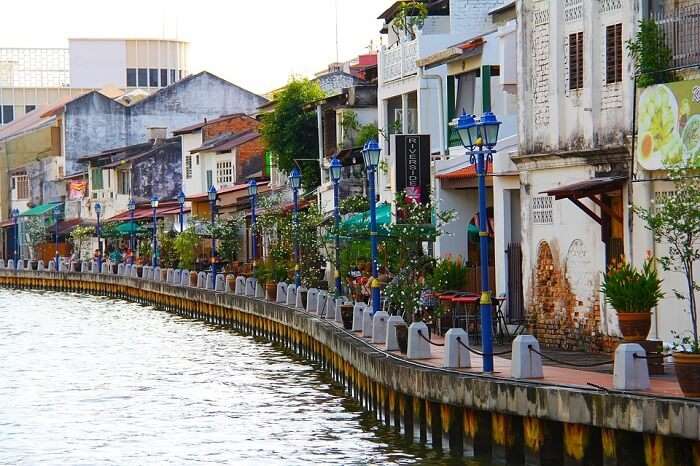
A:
(76, 190)
(668, 125)
(412, 168)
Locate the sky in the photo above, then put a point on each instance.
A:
(256, 44)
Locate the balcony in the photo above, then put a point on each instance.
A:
(681, 27)
(399, 61)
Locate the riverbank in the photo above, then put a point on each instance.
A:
(515, 420)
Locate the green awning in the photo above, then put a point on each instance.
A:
(41, 209)
(361, 221)
(125, 229)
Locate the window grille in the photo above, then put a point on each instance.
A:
(576, 61)
(542, 210)
(613, 53)
(224, 172)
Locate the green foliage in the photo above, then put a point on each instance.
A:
(167, 253)
(36, 231)
(109, 230)
(187, 248)
(79, 237)
(676, 222)
(350, 126)
(404, 291)
(269, 271)
(145, 250)
(291, 133)
(411, 15)
(227, 231)
(354, 204)
(651, 55)
(448, 275)
(366, 133)
(630, 290)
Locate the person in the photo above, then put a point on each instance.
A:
(115, 256)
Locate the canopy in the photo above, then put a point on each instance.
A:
(361, 221)
(41, 209)
(125, 229)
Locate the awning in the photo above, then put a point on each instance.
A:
(41, 209)
(464, 173)
(125, 229)
(147, 212)
(590, 189)
(361, 221)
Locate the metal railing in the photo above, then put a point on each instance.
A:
(681, 27)
(399, 61)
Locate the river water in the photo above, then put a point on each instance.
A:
(94, 381)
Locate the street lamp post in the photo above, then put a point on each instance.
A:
(56, 214)
(15, 216)
(479, 138)
(181, 201)
(295, 183)
(253, 194)
(154, 239)
(212, 203)
(132, 230)
(98, 211)
(371, 153)
(336, 170)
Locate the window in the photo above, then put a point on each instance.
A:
(96, 178)
(224, 172)
(20, 187)
(542, 210)
(163, 77)
(188, 167)
(210, 179)
(29, 108)
(172, 76)
(466, 88)
(197, 159)
(123, 184)
(576, 60)
(143, 77)
(153, 77)
(180, 74)
(131, 77)
(8, 114)
(613, 53)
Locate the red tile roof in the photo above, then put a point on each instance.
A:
(464, 173)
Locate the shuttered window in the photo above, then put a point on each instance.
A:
(613, 53)
(576, 60)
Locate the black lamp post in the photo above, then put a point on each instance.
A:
(295, 183)
(336, 170)
(212, 203)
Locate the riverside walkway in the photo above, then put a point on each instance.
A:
(458, 410)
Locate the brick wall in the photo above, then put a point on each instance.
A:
(234, 124)
(251, 158)
(471, 16)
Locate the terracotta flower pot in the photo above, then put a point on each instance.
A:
(193, 279)
(402, 338)
(231, 280)
(634, 325)
(271, 291)
(688, 373)
(346, 311)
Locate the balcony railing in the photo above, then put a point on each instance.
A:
(682, 29)
(399, 61)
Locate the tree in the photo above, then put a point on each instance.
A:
(227, 231)
(652, 57)
(167, 253)
(79, 237)
(411, 16)
(291, 133)
(676, 221)
(187, 247)
(36, 232)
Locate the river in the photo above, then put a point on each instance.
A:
(95, 381)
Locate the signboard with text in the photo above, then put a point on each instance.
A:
(413, 166)
(668, 125)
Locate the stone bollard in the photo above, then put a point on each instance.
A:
(52, 266)
(367, 322)
(169, 276)
(210, 281)
(334, 308)
(312, 300)
(63, 267)
(259, 290)
(250, 286)
(291, 295)
(418, 347)
(630, 372)
(526, 364)
(240, 285)
(40, 266)
(201, 280)
(156, 274)
(298, 303)
(126, 270)
(84, 267)
(379, 322)
(220, 286)
(184, 277)
(10, 264)
(120, 269)
(321, 299)
(2, 264)
(281, 292)
(392, 343)
(456, 355)
(176, 277)
(357, 311)
(134, 272)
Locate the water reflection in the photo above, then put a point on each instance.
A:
(88, 380)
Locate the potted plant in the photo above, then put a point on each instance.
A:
(278, 273)
(346, 311)
(193, 279)
(633, 293)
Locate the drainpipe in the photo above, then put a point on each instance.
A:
(319, 122)
(441, 108)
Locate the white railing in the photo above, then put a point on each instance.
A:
(399, 61)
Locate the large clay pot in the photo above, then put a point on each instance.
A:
(346, 311)
(193, 279)
(271, 291)
(634, 325)
(688, 373)
(402, 338)
(231, 280)
(139, 271)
